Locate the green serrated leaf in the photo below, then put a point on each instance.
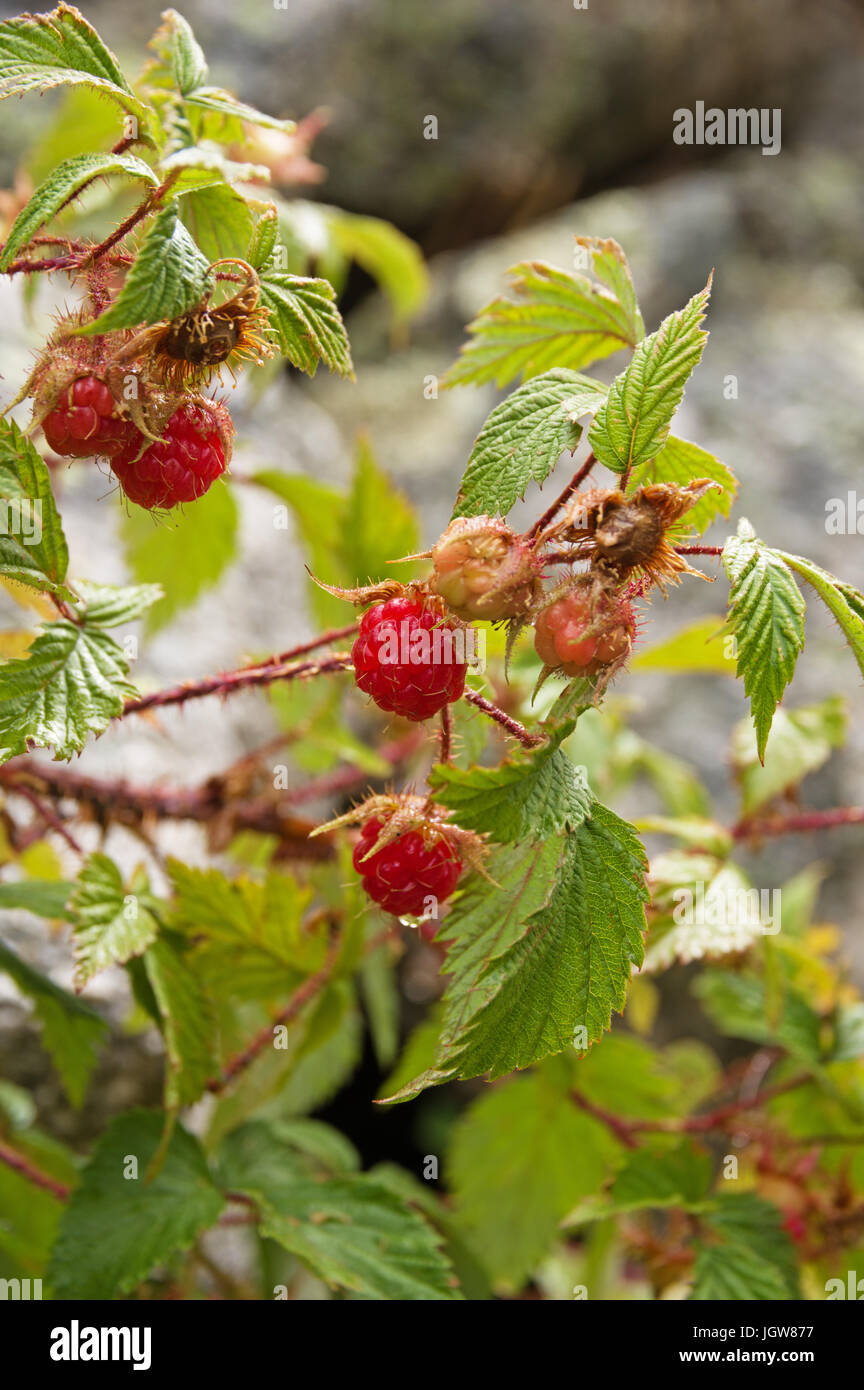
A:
(754, 1259)
(118, 1227)
(32, 544)
(111, 925)
(225, 104)
(540, 963)
(249, 937)
(609, 265)
(529, 797)
(45, 898)
(802, 740)
(679, 1177)
(727, 917)
(41, 51)
(264, 237)
(558, 320)
(187, 552)
(482, 925)
(681, 462)
(71, 1031)
(520, 1158)
(351, 1231)
(206, 165)
(219, 221)
(696, 647)
(524, 438)
(189, 1025)
(71, 683)
(632, 425)
(571, 968)
(168, 277)
(177, 45)
(305, 321)
(394, 262)
(736, 1005)
(348, 538)
(766, 614)
(111, 605)
(61, 186)
(842, 600)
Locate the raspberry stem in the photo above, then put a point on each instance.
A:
(19, 1164)
(799, 823)
(264, 1039)
(551, 512)
(506, 721)
(243, 679)
(446, 736)
(75, 260)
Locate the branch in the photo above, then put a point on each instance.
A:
(722, 1114)
(244, 679)
(445, 746)
(512, 726)
(78, 259)
(49, 817)
(551, 512)
(622, 1129)
(28, 1170)
(626, 1130)
(215, 804)
(698, 550)
(754, 827)
(264, 1039)
(222, 802)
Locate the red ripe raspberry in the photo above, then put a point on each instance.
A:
(405, 658)
(84, 422)
(192, 453)
(581, 636)
(401, 876)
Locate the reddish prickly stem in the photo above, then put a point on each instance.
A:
(405, 658)
(85, 422)
(583, 635)
(405, 874)
(192, 453)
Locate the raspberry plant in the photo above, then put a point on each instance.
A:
(467, 828)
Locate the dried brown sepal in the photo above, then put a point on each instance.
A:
(621, 535)
(365, 595)
(188, 350)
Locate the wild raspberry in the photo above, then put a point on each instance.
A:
(585, 632)
(408, 658)
(193, 452)
(484, 570)
(403, 875)
(85, 422)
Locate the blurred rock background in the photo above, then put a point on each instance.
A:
(552, 121)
